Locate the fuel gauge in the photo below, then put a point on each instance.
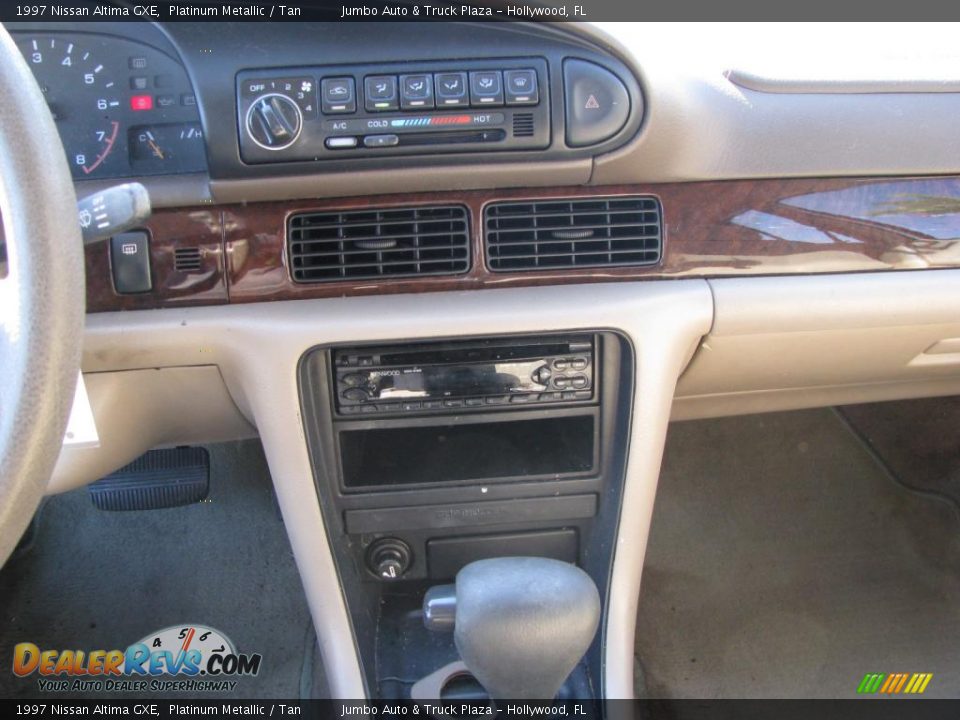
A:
(167, 148)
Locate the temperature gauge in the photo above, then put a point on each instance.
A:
(167, 148)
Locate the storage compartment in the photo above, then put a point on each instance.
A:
(555, 445)
(446, 556)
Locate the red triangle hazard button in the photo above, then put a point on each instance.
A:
(592, 103)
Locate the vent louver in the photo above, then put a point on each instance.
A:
(581, 233)
(523, 125)
(186, 259)
(373, 244)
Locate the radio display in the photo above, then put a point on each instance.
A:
(467, 374)
(455, 380)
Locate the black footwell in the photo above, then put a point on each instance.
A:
(97, 580)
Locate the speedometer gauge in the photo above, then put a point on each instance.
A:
(83, 97)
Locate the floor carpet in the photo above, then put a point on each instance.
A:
(104, 580)
(786, 560)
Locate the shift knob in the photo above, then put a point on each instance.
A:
(523, 623)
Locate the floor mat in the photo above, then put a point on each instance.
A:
(918, 440)
(104, 580)
(785, 561)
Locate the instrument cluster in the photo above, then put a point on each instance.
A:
(122, 108)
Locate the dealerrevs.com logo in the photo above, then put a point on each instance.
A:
(179, 658)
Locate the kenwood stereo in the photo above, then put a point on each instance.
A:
(465, 375)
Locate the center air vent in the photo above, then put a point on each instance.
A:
(583, 233)
(374, 244)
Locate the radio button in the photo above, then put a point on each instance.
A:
(349, 409)
(411, 406)
(355, 394)
(416, 92)
(453, 403)
(353, 379)
(497, 399)
(522, 398)
(579, 382)
(432, 404)
(368, 408)
(582, 394)
(550, 396)
(486, 88)
(542, 375)
(561, 382)
(561, 364)
(474, 402)
(578, 364)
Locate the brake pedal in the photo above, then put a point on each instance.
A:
(157, 479)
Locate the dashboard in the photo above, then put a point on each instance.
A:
(146, 100)
(313, 163)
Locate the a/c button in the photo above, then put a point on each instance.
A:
(341, 143)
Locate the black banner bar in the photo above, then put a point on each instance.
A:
(873, 708)
(473, 10)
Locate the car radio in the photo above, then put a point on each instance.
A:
(463, 376)
(316, 113)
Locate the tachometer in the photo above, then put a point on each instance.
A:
(83, 97)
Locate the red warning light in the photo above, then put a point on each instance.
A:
(141, 102)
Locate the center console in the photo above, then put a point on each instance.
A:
(429, 456)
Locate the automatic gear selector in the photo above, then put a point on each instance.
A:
(521, 625)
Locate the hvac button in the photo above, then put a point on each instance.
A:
(378, 141)
(596, 103)
(486, 88)
(338, 95)
(521, 87)
(380, 93)
(340, 143)
(416, 91)
(451, 89)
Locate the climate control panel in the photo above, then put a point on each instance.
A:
(318, 113)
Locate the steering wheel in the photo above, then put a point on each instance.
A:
(41, 295)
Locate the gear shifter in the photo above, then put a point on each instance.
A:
(521, 624)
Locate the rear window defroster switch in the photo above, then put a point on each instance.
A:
(130, 260)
